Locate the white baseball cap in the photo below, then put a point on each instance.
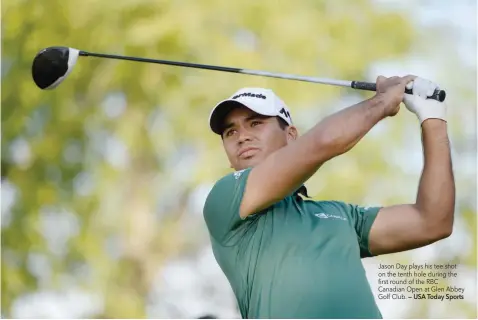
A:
(260, 100)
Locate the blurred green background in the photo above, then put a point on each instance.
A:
(104, 178)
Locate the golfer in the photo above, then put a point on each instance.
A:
(286, 256)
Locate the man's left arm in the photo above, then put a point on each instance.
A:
(409, 226)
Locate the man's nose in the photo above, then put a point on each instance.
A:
(244, 135)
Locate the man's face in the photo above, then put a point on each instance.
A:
(248, 137)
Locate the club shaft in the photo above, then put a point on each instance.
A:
(359, 85)
(342, 83)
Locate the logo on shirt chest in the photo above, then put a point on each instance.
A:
(322, 215)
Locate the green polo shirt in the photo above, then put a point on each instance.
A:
(296, 259)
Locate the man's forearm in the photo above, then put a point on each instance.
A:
(339, 132)
(436, 191)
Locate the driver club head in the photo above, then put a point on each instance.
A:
(52, 65)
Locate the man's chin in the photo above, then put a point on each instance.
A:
(248, 163)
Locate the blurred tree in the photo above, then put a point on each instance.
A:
(99, 170)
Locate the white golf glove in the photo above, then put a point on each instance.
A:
(419, 104)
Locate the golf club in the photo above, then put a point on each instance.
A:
(52, 65)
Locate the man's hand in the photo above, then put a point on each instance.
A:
(419, 104)
(392, 91)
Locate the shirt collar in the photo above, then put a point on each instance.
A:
(302, 190)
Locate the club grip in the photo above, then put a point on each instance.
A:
(438, 95)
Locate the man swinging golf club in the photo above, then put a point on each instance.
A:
(289, 257)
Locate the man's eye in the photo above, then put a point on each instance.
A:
(229, 133)
(255, 123)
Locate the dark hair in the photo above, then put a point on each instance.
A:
(282, 123)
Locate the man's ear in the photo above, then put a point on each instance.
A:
(292, 133)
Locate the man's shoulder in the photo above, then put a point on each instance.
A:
(230, 179)
(222, 205)
(228, 185)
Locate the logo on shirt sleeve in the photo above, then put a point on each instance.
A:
(237, 174)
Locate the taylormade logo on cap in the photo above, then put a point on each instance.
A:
(249, 94)
(260, 100)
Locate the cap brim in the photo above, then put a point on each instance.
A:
(216, 120)
(222, 109)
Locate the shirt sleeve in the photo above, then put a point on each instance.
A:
(362, 219)
(221, 210)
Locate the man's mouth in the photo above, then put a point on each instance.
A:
(247, 152)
